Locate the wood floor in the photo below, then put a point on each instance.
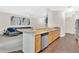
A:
(66, 44)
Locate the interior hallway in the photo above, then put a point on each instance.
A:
(66, 44)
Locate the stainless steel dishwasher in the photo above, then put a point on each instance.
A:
(44, 40)
(77, 29)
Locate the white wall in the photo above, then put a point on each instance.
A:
(4, 20)
(76, 14)
(57, 18)
(37, 22)
(70, 21)
(70, 24)
(34, 11)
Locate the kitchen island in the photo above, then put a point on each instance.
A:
(35, 40)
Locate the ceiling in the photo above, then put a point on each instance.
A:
(36, 11)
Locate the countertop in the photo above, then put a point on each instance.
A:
(40, 30)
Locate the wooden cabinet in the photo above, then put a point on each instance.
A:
(50, 38)
(53, 35)
(37, 43)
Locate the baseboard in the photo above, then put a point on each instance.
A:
(70, 32)
(62, 35)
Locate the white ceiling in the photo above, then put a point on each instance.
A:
(36, 11)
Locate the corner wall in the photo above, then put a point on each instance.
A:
(57, 19)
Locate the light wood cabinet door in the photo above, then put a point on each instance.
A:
(50, 38)
(55, 34)
(37, 43)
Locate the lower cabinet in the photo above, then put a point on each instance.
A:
(38, 43)
(43, 40)
(50, 37)
(53, 35)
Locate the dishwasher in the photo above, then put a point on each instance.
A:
(77, 29)
(44, 40)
